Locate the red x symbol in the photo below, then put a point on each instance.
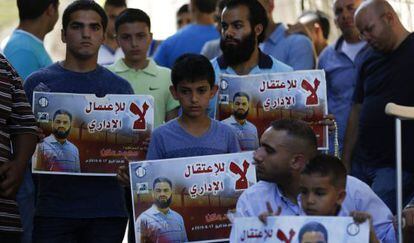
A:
(312, 99)
(140, 123)
(242, 182)
(281, 236)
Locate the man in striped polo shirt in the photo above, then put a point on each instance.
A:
(18, 137)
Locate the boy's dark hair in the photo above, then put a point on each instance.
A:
(241, 94)
(116, 3)
(298, 129)
(205, 6)
(257, 14)
(183, 9)
(131, 15)
(84, 5)
(161, 179)
(317, 17)
(327, 165)
(313, 227)
(62, 112)
(32, 9)
(192, 68)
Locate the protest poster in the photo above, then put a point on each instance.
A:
(89, 135)
(274, 96)
(299, 229)
(195, 193)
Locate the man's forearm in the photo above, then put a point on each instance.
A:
(11, 173)
(23, 146)
(351, 135)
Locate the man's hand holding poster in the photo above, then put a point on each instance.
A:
(87, 135)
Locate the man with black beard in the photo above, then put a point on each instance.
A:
(159, 223)
(243, 23)
(56, 153)
(246, 131)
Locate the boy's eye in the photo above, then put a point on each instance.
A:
(96, 27)
(269, 150)
(338, 12)
(185, 91)
(75, 26)
(141, 35)
(202, 91)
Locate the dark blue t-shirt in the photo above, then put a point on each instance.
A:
(385, 78)
(78, 196)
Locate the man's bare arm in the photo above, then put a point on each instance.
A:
(11, 173)
(351, 135)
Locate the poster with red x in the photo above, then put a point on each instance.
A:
(187, 199)
(292, 229)
(87, 135)
(250, 103)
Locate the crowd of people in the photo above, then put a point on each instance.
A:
(109, 50)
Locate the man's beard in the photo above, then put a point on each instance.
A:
(237, 54)
(241, 116)
(163, 204)
(60, 134)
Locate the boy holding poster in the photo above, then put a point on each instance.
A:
(193, 133)
(323, 190)
(285, 149)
